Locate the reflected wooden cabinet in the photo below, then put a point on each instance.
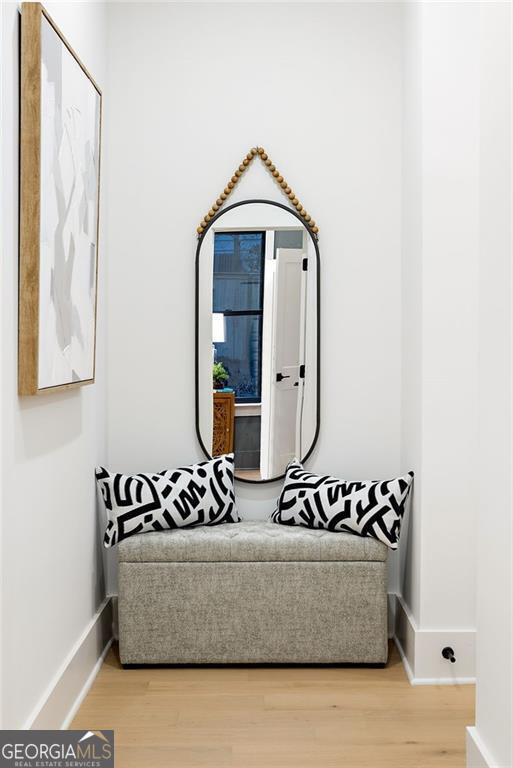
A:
(224, 422)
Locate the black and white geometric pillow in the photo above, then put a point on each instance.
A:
(201, 494)
(370, 508)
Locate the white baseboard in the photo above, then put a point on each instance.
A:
(477, 754)
(67, 690)
(420, 651)
(404, 659)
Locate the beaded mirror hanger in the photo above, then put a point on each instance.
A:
(264, 157)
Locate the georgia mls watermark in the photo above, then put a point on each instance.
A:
(57, 749)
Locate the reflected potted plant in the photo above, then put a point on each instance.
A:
(219, 376)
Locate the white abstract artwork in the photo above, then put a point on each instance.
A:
(69, 189)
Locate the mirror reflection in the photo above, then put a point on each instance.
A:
(257, 365)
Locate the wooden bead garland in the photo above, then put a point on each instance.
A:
(260, 152)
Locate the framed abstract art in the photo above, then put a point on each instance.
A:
(60, 131)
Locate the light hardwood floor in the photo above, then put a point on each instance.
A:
(248, 474)
(281, 717)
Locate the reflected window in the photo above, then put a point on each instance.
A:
(238, 292)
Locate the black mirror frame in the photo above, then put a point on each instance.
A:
(196, 378)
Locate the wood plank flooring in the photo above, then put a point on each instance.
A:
(281, 717)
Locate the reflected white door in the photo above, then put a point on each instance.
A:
(300, 452)
(288, 312)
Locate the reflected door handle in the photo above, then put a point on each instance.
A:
(280, 377)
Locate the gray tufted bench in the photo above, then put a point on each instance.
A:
(252, 592)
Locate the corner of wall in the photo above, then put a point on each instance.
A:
(477, 753)
(421, 651)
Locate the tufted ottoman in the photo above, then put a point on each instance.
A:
(252, 592)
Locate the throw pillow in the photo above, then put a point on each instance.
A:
(368, 508)
(202, 494)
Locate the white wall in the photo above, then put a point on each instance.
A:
(440, 255)
(491, 741)
(319, 86)
(450, 239)
(52, 580)
(412, 304)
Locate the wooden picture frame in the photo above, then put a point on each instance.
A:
(60, 141)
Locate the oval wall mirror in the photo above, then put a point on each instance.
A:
(257, 338)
